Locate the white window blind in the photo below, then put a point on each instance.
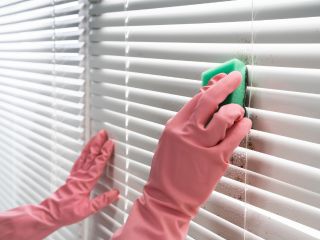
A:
(146, 59)
(41, 99)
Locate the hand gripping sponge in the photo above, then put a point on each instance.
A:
(238, 95)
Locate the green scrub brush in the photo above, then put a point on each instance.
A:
(238, 95)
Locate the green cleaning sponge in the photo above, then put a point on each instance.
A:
(238, 95)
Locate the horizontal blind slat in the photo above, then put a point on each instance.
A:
(266, 31)
(46, 79)
(36, 156)
(59, 34)
(72, 20)
(264, 76)
(44, 138)
(42, 121)
(284, 55)
(118, 5)
(226, 11)
(59, 10)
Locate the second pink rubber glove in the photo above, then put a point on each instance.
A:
(192, 155)
(70, 203)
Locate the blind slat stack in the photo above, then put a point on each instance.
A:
(41, 99)
(146, 59)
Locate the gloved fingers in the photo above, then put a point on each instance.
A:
(212, 81)
(186, 111)
(222, 120)
(98, 164)
(103, 200)
(84, 154)
(216, 94)
(100, 139)
(95, 149)
(235, 134)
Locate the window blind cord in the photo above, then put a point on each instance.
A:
(247, 140)
(16, 168)
(54, 178)
(86, 51)
(127, 68)
(84, 226)
(84, 24)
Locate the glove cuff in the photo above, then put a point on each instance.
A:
(26, 222)
(151, 219)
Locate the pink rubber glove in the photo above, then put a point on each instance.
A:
(70, 203)
(192, 155)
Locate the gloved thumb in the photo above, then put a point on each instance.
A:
(104, 200)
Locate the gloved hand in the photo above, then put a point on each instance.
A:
(192, 155)
(70, 203)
